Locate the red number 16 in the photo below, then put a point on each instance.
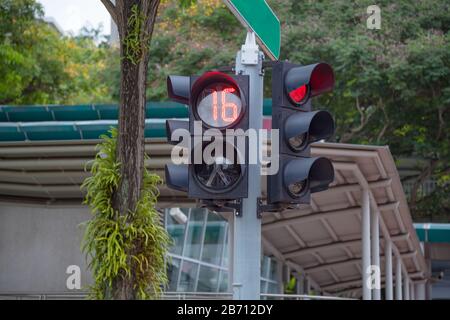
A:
(224, 106)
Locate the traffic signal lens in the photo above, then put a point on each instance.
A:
(219, 105)
(296, 189)
(298, 142)
(299, 94)
(223, 173)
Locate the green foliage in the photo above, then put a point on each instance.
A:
(40, 66)
(392, 85)
(136, 42)
(133, 246)
(289, 288)
(428, 211)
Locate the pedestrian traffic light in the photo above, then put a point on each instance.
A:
(218, 105)
(299, 175)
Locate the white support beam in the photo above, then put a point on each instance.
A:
(362, 180)
(420, 290)
(398, 278)
(373, 203)
(406, 287)
(388, 259)
(365, 234)
(375, 251)
(300, 283)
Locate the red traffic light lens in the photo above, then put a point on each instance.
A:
(219, 105)
(299, 95)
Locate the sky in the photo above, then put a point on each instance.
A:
(72, 15)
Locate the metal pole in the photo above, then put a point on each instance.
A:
(300, 283)
(428, 291)
(367, 294)
(420, 290)
(375, 249)
(247, 227)
(398, 278)
(307, 286)
(388, 254)
(230, 253)
(406, 287)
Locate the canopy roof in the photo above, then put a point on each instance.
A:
(44, 151)
(322, 240)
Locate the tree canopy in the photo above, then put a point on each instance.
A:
(392, 85)
(40, 66)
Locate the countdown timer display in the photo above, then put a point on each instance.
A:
(219, 105)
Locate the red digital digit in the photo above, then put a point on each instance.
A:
(227, 105)
(215, 106)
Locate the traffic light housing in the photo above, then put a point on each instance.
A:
(299, 175)
(217, 102)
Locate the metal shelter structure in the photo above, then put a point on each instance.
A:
(362, 220)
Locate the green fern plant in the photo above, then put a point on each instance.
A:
(137, 41)
(133, 245)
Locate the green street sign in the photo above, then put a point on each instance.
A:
(257, 16)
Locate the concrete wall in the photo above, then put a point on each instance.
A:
(37, 244)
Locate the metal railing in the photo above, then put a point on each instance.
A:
(167, 296)
(197, 296)
(279, 296)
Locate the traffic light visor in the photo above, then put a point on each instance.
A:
(302, 174)
(303, 128)
(178, 88)
(308, 81)
(177, 177)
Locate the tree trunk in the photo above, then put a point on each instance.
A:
(130, 142)
(130, 151)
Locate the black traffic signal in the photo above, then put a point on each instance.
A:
(217, 102)
(299, 175)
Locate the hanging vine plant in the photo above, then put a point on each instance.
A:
(137, 41)
(133, 245)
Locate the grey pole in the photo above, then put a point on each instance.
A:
(246, 264)
(389, 284)
(365, 226)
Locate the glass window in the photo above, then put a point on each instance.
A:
(188, 277)
(225, 249)
(273, 270)
(264, 286)
(214, 239)
(173, 269)
(195, 233)
(176, 232)
(273, 288)
(265, 262)
(224, 282)
(208, 279)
